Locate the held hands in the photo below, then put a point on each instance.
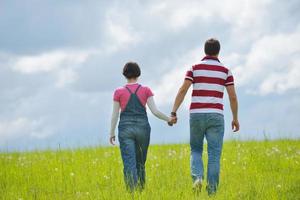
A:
(173, 119)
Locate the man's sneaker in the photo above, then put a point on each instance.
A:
(211, 190)
(197, 185)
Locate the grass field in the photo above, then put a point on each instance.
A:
(249, 170)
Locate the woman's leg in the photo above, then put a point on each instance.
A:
(128, 153)
(141, 149)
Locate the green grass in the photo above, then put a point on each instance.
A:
(249, 170)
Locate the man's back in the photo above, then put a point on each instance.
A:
(209, 79)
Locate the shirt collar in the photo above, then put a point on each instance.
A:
(210, 58)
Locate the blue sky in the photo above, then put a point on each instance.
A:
(61, 60)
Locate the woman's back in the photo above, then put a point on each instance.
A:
(122, 94)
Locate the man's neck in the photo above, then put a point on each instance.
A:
(214, 56)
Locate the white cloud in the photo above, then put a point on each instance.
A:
(248, 19)
(167, 86)
(23, 127)
(242, 16)
(61, 64)
(66, 76)
(280, 82)
(272, 65)
(49, 61)
(119, 30)
(179, 15)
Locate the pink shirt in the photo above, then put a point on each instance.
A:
(122, 95)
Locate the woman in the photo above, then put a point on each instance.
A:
(134, 128)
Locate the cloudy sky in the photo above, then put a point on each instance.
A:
(60, 62)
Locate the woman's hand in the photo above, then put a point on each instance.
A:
(112, 140)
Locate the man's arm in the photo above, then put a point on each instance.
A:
(181, 94)
(234, 107)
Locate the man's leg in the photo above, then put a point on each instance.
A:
(214, 136)
(196, 143)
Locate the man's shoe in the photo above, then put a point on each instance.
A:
(211, 191)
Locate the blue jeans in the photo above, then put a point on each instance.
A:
(134, 142)
(210, 126)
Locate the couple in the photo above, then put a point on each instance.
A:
(209, 78)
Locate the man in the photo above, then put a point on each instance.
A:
(209, 78)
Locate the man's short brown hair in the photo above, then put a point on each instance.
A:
(212, 47)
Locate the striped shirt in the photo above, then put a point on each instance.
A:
(209, 78)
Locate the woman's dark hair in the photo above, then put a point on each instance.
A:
(212, 47)
(131, 70)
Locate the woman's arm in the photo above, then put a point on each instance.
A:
(114, 118)
(155, 111)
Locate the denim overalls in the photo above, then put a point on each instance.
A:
(134, 138)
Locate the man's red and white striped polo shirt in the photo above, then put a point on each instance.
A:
(209, 78)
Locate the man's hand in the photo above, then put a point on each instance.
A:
(112, 140)
(235, 125)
